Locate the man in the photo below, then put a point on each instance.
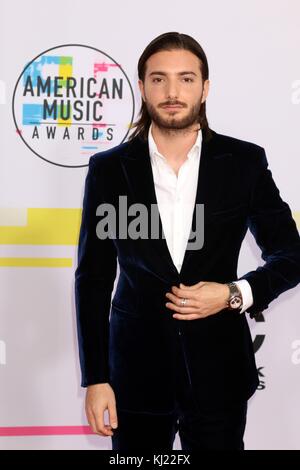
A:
(173, 350)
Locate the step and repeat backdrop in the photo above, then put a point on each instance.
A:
(68, 89)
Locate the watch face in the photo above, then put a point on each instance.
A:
(235, 302)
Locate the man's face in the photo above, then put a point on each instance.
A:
(173, 89)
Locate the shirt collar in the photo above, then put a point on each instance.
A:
(194, 152)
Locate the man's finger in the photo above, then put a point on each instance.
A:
(183, 292)
(113, 418)
(192, 287)
(182, 310)
(100, 426)
(190, 299)
(92, 423)
(189, 316)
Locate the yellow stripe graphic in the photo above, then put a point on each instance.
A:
(36, 262)
(44, 227)
(296, 216)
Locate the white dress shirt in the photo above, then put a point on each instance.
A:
(176, 199)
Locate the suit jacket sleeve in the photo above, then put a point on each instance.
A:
(94, 281)
(271, 223)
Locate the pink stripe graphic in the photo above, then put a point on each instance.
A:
(44, 430)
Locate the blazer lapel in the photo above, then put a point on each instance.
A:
(137, 169)
(212, 185)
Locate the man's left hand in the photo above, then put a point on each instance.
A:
(202, 299)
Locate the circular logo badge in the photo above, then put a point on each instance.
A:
(70, 102)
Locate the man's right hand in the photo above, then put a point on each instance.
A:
(100, 397)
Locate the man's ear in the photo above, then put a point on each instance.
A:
(141, 87)
(206, 86)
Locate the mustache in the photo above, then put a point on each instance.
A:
(172, 103)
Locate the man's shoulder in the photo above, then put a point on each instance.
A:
(248, 155)
(109, 155)
(235, 144)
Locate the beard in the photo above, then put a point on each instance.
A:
(172, 123)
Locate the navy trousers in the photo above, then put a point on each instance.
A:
(198, 429)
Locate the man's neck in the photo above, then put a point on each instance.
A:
(175, 144)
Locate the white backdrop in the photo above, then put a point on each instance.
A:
(252, 49)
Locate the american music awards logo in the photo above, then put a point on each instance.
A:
(70, 102)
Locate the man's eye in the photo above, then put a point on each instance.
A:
(186, 79)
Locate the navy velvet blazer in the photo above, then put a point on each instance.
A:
(131, 340)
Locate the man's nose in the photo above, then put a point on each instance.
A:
(172, 91)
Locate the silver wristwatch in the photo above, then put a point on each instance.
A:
(235, 299)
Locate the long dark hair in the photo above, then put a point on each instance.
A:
(168, 42)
